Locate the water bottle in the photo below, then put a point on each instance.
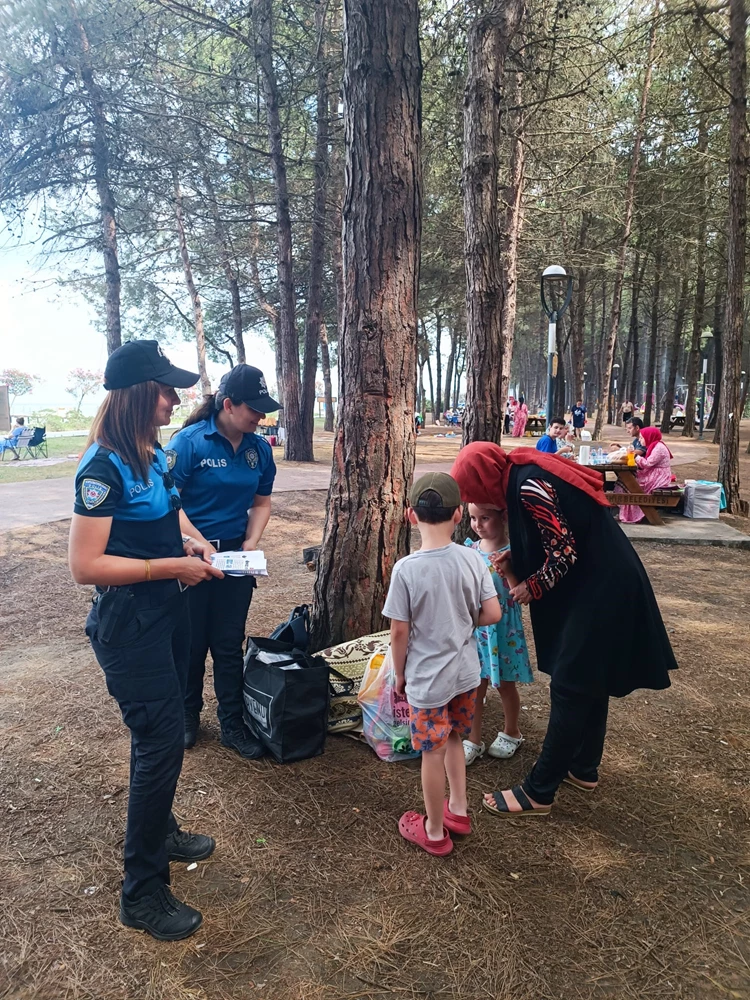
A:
(602, 459)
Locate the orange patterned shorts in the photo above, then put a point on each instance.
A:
(431, 727)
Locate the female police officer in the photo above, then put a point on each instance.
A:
(225, 474)
(125, 538)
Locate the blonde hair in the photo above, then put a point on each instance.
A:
(126, 424)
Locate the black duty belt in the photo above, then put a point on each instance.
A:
(227, 544)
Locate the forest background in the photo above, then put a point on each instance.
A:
(188, 161)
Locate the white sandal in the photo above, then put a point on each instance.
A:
(504, 746)
(473, 752)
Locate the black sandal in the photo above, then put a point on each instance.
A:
(501, 808)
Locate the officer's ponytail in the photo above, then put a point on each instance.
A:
(210, 405)
(202, 412)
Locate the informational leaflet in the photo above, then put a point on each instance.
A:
(241, 563)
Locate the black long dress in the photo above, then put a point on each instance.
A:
(599, 631)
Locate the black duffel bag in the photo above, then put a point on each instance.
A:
(296, 629)
(286, 694)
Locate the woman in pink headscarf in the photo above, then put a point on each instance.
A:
(654, 470)
(520, 416)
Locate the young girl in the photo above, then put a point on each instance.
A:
(502, 648)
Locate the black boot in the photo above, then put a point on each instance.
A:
(184, 846)
(192, 724)
(238, 737)
(161, 915)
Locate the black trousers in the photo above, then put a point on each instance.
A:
(574, 742)
(218, 613)
(145, 668)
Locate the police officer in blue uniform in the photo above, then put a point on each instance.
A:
(125, 538)
(225, 472)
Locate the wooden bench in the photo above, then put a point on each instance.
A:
(633, 494)
(659, 498)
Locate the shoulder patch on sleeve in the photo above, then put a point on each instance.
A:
(93, 493)
(171, 457)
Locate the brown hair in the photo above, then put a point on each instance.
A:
(125, 423)
(203, 411)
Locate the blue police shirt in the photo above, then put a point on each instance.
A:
(546, 443)
(218, 484)
(145, 522)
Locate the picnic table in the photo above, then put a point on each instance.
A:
(535, 425)
(634, 494)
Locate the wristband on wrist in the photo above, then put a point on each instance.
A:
(187, 538)
(148, 570)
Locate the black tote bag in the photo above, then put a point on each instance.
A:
(286, 702)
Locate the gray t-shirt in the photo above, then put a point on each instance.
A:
(440, 593)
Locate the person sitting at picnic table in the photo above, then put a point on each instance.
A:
(654, 471)
(564, 548)
(634, 427)
(551, 441)
(9, 443)
(520, 416)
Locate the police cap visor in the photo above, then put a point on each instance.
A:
(144, 361)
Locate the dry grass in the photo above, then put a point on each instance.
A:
(639, 891)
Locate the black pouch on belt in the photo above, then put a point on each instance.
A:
(116, 608)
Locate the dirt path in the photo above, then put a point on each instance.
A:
(637, 892)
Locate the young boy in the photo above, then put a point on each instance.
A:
(437, 597)
(549, 440)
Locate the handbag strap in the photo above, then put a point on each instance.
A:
(348, 683)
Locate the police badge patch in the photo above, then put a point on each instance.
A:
(171, 457)
(263, 387)
(93, 493)
(251, 457)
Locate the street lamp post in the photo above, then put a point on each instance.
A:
(552, 282)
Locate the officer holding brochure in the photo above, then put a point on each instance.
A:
(125, 539)
(224, 471)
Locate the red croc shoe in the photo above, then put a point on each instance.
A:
(411, 826)
(456, 824)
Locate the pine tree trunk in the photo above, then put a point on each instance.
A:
(107, 208)
(717, 326)
(325, 364)
(653, 342)
(512, 195)
(451, 363)
(609, 355)
(314, 317)
(673, 355)
(294, 445)
(729, 411)
(488, 41)
(694, 364)
(195, 299)
(373, 455)
(437, 405)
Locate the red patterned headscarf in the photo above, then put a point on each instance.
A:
(482, 470)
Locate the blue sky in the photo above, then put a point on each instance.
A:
(48, 330)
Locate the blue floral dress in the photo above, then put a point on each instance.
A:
(503, 654)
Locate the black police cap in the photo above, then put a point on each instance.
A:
(245, 384)
(144, 361)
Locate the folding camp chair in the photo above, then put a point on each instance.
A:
(37, 445)
(19, 445)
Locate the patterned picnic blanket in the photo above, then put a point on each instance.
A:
(350, 658)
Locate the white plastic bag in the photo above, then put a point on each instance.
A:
(385, 714)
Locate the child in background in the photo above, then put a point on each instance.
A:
(437, 597)
(503, 655)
